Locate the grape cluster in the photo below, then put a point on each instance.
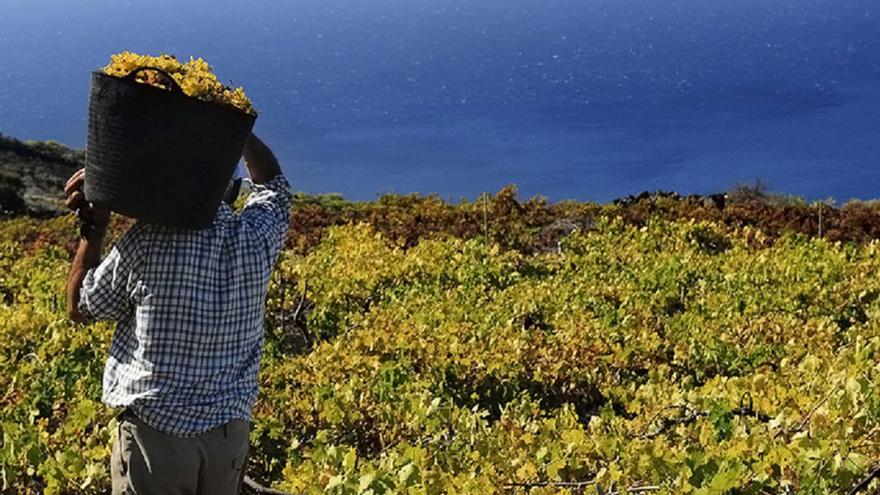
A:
(195, 78)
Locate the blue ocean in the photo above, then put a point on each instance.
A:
(567, 99)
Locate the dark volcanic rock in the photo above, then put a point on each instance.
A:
(33, 174)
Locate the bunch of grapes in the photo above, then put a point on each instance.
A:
(195, 78)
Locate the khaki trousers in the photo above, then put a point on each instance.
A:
(146, 461)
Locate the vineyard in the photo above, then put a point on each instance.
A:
(500, 347)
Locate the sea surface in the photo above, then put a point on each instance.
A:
(568, 99)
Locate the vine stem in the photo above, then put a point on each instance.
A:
(263, 490)
(635, 488)
(805, 419)
(861, 485)
(299, 306)
(540, 484)
(486, 216)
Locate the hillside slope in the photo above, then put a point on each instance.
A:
(682, 356)
(659, 344)
(32, 176)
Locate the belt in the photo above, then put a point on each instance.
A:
(128, 415)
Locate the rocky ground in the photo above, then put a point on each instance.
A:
(32, 176)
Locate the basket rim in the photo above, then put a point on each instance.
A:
(149, 87)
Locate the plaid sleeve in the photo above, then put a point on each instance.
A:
(106, 289)
(266, 213)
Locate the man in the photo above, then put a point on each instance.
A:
(189, 306)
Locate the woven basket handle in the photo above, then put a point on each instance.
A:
(174, 86)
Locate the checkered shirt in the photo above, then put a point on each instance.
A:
(189, 306)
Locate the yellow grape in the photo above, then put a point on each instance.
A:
(195, 78)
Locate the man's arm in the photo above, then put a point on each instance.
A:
(259, 160)
(88, 253)
(266, 213)
(88, 256)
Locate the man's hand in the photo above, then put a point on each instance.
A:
(92, 217)
(259, 161)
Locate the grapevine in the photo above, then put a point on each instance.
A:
(673, 357)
